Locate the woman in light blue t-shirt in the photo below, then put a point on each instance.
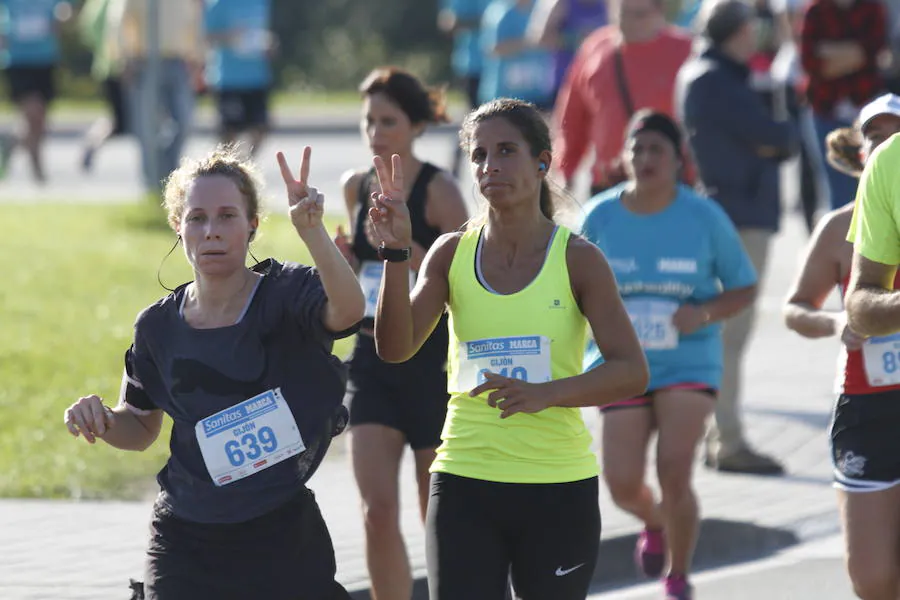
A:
(681, 270)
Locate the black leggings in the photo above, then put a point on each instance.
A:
(546, 536)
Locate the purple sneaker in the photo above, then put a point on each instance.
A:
(650, 552)
(678, 588)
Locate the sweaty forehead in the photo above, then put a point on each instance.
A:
(213, 192)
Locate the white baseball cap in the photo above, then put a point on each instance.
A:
(888, 104)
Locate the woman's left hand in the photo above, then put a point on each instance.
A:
(307, 204)
(689, 318)
(512, 395)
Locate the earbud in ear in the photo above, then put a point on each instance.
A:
(542, 166)
(252, 234)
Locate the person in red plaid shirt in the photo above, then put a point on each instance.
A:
(841, 42)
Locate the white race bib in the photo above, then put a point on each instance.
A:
(248, 437)
(32, 27)
(652, 321)
(526, 358)
(370, 274)
(882, 360)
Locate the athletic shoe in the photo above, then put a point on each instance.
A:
(678, 588)
(650, 552)
(745, 461)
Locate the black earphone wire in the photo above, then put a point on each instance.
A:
(159, 270)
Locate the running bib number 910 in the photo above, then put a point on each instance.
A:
(249, 437)
(526, 358)
(882, 360)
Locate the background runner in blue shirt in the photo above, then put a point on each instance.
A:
(29, 52)
(238, 67)
(681, 270)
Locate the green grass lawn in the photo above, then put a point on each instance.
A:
(75, 277)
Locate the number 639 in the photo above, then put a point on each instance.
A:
(251, 446)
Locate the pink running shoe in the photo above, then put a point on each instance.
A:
(650, 552)
(678, 588)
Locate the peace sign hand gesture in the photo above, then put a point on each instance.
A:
(390, 215)
(307, 204)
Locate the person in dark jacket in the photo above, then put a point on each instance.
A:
(737, 145)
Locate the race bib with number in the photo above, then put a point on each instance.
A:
(881, 356)
(32, 27)
(652, 321)
(526, 358)
(248, 437)
(370, 274)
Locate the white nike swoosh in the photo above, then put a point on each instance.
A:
(560, 572)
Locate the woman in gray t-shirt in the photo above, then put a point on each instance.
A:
(240, 359)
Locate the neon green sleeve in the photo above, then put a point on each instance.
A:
(874, 228)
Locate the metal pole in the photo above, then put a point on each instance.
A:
(151, 90)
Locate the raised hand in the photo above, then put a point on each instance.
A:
(307, 204)
(390, 215)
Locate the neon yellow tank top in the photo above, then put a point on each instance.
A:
(537, 334)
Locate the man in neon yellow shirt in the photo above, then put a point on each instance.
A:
(873, 307)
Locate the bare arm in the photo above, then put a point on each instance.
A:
(403, 321)
(820, 273)
(873, 307)
(345, 305)
(120, 427)
(729, 303)
(133, 431)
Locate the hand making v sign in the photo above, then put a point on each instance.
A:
(390, 215)
(307, 204)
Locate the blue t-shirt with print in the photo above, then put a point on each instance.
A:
(687, 253)
(241, 63)
(466, 57)
(28, 28)
(526, 75)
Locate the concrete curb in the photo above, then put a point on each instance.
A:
(721, 543)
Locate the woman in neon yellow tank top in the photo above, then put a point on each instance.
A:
(514, 485)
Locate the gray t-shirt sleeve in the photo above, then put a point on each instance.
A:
(139, 371)
(302, 297)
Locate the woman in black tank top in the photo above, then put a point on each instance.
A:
(392, 405)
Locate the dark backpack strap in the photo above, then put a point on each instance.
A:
(622, 83)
